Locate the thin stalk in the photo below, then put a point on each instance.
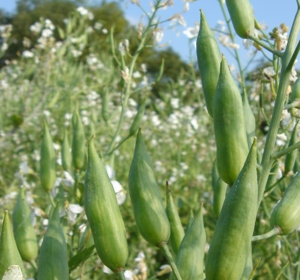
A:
(115, 148)
(294, 57)
(273, 232)
(51, 199)
(292, 105)
(265, 46)
(286, 151)
(168, 255)
(120, 275)
(34, 265)
(237, 57)
(279, 105)
(128, 85)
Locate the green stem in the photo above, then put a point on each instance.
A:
(168, 255)
(128, 84)
(120, 275)
(292, 105)
(34, 265)
(294, 57)
(273, 232)
(279, 105)
(51, 200)
(123, 140)
(257, 41)
(287, 150)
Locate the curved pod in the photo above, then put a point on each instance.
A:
(104, 214)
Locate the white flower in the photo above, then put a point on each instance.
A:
(68, 181)
(121, 48)
(110, 172)
(49, 24)
(136, 75)
(27, 54)
(83, 11)
(120, 194)
(186, 6)
(73, 210)
(106, 270)
(104, 31)
(128, 274)
(140, 257)
(36, 27)
(191, 32)
(144, 67)
(269, 71)
(157, 35)
(281, 139)
(98, 25)
(46, 33)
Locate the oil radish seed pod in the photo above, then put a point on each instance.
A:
(209, 58)
(249, 120)
(190, 221)
(23, 229)
(286, 214)
(229, 127)
(138, 119)
(242, 17)
(53, 257)
(291, 157)
(78, 148)
(219, 190)
(177, 231)
(66, 157)
(9, 254)
(148, 208)
(47, 162)
(231, 241)
(103, 213)
(190, 257)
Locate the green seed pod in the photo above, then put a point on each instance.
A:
(248, 267)
(138, 119)
(209, 58)
(23, 230)
(219, 190)
(78, 148)
(291, 157)
(242, 17)
(9, 254)
(103, 214)
(190, 221)
(148, 208)
(286, 214)
(295, 95)
(177, 231)
(66, 157)
(105, 106)
(249, 120)
(231, 242)
(47, 163)
(53, 257)
(229, 125)
(190, 257)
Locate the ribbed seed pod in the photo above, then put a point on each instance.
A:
(190, 221)
(209, 58)
(190, 257)
(249, 120)
(291, 157)
(78, 148)
(229, 126)
(286, 214)
(242, 17)
(66, 157)
(177, 231)
(138, 119)
(148, 208)
(53, 257)
(23, 230)
(219, 190)
(105, 106)
(103, 214)
(295, 95)
(47, 162)
(231, 242)
(9, 254)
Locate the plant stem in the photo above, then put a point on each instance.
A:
(168, 255)
(265, 46)
(273, 232)
(287, 150)
(33, 264)
(279, 105)
(51, 200)
(120, 275)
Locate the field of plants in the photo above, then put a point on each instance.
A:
(108, 171)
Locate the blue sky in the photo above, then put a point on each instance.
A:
(270, 12)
